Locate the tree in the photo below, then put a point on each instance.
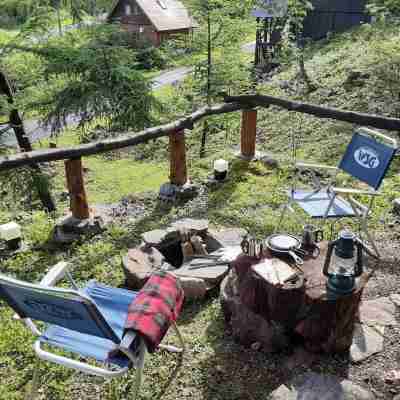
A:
(298, 10)
(91, 74)
(221, 19)
(17, 125)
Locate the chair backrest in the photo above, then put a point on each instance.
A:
(367, 159)
(67, 308)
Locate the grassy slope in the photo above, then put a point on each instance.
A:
(214, 367)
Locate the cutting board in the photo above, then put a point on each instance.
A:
(275, 271)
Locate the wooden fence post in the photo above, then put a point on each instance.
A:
(177, 150)
(76, 188)
(248, 134)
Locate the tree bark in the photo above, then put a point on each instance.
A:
(76, 188)
(248, 133)
(177, 150)
(25, 145)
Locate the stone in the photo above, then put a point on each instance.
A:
(378, 312)
(395, 299)
(193, 288)
(313, 386)
(188, 191)
(392, 377)
(269, 161)
(138, 266)
(155, 238)
(212, 275)
(196, 226)
(366, 342)
(396, 206)
(229, 237)
(69, 229)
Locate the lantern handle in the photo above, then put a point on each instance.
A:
(359, 264)
(331, 245)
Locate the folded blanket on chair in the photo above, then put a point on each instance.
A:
(155, 307)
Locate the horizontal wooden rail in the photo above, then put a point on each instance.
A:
(392, 124)
(232, 104)
(103, 146)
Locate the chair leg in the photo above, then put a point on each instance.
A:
(32, 392)
(174, 349)
(139, 369)
(364, 228)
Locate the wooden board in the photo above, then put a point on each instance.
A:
(275, 271)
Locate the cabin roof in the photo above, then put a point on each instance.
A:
(165, 15)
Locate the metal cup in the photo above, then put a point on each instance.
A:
(311, 236)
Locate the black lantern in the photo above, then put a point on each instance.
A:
(344, 266)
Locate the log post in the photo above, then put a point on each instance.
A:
(76, 188)
(248, 134)
(177, 149)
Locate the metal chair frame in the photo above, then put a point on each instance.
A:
(361, 211)
(136, 357)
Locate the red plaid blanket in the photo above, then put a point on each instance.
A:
(156, 306)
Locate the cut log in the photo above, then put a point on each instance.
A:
(76, 188)
(299, 305)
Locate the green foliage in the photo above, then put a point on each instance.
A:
(94, 77)
(383, 8)
(150, 57)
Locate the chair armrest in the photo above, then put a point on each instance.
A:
(355, 191)
(302, 165)
(379, 135)
(127, 341)
(55, 274)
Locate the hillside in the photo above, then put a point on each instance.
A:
(359, 70)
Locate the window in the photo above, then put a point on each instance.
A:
(141, 29)
(162, 4)
(128, 9)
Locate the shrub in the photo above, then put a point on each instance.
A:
(150, 57)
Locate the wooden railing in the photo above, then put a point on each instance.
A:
(176, 133)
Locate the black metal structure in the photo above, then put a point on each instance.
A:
(334, 16)
(268, 37)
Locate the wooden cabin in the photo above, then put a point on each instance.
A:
(152, 20)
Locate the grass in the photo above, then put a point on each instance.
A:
(214, 367)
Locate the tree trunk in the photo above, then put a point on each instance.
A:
(25, 145)
(209, 67)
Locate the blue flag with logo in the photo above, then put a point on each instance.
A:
(367, 159)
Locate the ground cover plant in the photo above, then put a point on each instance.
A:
(350, 73)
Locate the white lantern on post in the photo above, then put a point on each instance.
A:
(11, 234)
(220, 169)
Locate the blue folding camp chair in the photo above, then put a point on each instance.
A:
(365, 159)
(88, 322)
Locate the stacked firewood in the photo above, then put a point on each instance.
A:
(191, 244)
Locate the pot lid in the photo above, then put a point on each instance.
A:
(283, 241)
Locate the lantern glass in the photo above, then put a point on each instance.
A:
(343, 266)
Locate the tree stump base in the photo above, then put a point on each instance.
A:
(297, 308)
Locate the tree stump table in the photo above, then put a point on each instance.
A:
(298, 307)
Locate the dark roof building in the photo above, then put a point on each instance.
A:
(334, 16)
(154, 20)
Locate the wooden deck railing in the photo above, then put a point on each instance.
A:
(176, 133)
